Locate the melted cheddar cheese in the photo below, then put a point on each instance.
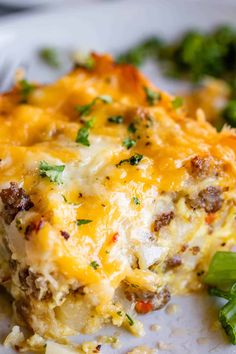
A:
(121, 201)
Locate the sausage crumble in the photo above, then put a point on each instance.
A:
(163, 220)
(14, 200)
(157, 299)
(208, 199)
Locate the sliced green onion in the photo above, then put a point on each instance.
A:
(227, 317)
(222, 270)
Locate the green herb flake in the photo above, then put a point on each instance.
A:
(82, 136)
(85, 110)
(53, 172)
(177, 102)
(50, 57)
(222, 273)
(83, 133)
(152, 96)
(128, 143)
(94, 264)
(133, 160)
(132, 128)
(130, 320)
(83, 222)
(26, 89)
(136, 201)
(64, 198)
(120, 313)
(116, 119)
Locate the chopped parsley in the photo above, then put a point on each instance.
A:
(152, 96)
(83, 221)
(86, 62)
(177, 102)
(85, 110)
(50, 57)
(229, 113)
(136, 201)
(94, 264)
(221, 277)
(83, 133)
(139, 53)
(116, 119)
(133, 160)
(132, 128)
(130, 320)
(53, 172)
(64, 198)
(128, 143)
(26, 90)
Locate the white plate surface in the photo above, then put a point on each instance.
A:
(111, 27)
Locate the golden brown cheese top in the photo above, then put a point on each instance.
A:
(119, 199)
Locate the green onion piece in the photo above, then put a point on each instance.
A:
(83, 133)
(229, 113)
(130, 320)
(94, 265)
(177, 102)
(152, 96)
(50, 57)
(220, 293)
(85, 110)
(222, 269)
(136, 201)
(227, 317)
(133, 160)
(83, 221)
(128, 143)
(116, 119)
(53, 172)
(26, 90)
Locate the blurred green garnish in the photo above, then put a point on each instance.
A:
(229, 113)
(50, 57)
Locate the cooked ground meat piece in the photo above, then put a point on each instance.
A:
(195, 250)
(163, 220)
(208, 199)
(34, 226)
(200, 167)
(34, 284)
(173, 262)
(14, 200)
(157, 299)
(65, 235)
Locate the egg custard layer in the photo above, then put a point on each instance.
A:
(112, 199)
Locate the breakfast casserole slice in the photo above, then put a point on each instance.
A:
(112, 199)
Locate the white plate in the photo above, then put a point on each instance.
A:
(26, 3)
(112, 27)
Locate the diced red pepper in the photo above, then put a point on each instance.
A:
(210, 218)
(143, 307)
(115, 237)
